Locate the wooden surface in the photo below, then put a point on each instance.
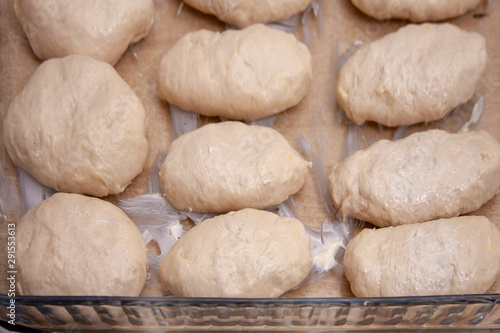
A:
(317, 117)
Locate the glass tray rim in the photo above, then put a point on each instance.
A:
(158, 300)
(466, 311)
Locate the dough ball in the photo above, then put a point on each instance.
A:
(448, 256)
(417, 74)
(77, 127)
(425, 176)
(238, 74)
(243, 13)
(230, 166)
(100, 29)
(415, 10)
(249, 253)
(71, 244)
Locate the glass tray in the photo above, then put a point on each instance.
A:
(70, 314)
(299, 314)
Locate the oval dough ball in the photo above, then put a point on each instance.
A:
(417, 74)
(100, 29)
(230, 166)
(71, 244)
(243, 13)
(77, 127)
(239, 74)
(249, 253)
(415, 10)
(448, 256)
(426, 176)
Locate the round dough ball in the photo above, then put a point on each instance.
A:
(71, 244)
(230, 166)
(249, 253)
(415, 10)
(238, 74)
(243, 13)
(100, 29)
(77, 127)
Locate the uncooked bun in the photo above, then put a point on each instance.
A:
(425, 176)
(100, 29)
(243, 13)
(443, 257)
(77, 127)
(71, 244)
(415, 10)
(417, 74)
(249, 253)
(238, 74)
(230, 166)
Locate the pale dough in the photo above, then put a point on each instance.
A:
(100, 29)
(417, 74)
(230, 166)
(426, 176)
(77, 127)
(415, 10)
(239, 74)
(243, 13)
(448, 256)
(249, 253)
(71, 244)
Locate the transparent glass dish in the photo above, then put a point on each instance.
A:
(465, 312)
(172, 313)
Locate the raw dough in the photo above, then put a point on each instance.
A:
(100, 29)
(71, 244)
(249, 253)
(423, 177)
(417, 74)
(415, 10)
(77, 127)
(243, 13)
(239, 74)
(230, 166)
(448, 256)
